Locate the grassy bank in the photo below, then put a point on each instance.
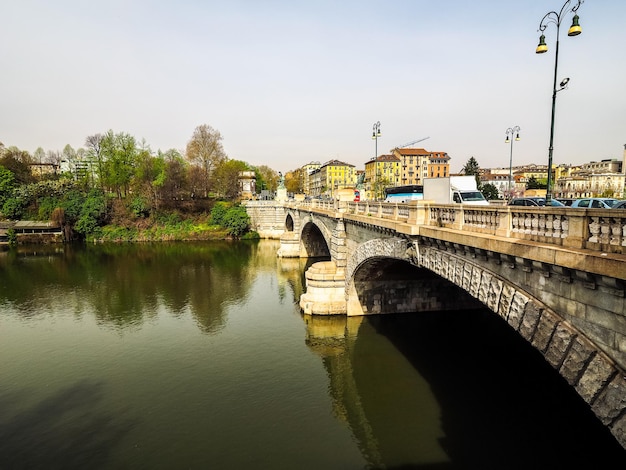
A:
(150, 231)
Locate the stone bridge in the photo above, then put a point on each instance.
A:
(557, 276)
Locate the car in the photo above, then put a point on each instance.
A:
(619, 205)
(534, 202)
(595, 202)
(566, 201)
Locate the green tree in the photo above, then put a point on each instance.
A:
(266, 178)
(7, 184)
(490, 191)
(120, 154)
(471, 167)
(92, 213)
(533, 183)
(226, 178)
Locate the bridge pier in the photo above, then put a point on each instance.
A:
(289, 245)
(325, 290)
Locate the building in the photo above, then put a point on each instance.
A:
(332, 176)
(418, 163)
(381, 172)
(247, 184)
(307, 171)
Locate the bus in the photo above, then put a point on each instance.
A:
(411, 192)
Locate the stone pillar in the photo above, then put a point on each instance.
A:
(338, 248)
(325, 290)
(289, 245)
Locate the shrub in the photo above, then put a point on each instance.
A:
(218, 213)
(237, 221)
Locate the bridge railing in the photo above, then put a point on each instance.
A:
(595, 229)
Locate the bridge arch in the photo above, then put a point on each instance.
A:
(590, 371)
(289, 224)
(580, 361)
(315, 238)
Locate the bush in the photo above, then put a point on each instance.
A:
(237, 221)
(13, 208)
(218, 213)
(91, 214)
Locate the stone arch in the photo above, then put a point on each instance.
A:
(593, 374)
(289, 225)
(398, 248)
(310, 245)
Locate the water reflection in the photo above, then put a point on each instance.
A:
(125, 285)
(266, 384)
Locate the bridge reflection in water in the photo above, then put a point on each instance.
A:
(465, 390)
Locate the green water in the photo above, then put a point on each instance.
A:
(196, 355)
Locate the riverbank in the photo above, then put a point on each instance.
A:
(143, 231)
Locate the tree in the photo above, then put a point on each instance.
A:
(294, 180)
(205, 150)
(39, 156)
(18, 162)
(471, 167)
(533, 183)
(94, 153)
(226, 178)
(7, 183)
(120, 154)
(266, 178)
(490, 191)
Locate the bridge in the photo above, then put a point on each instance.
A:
(556, 276)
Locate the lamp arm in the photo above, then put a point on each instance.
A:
(554, 17)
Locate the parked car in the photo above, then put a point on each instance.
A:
(566, 201)
(534, 201)
(619, 205)
(595, 202)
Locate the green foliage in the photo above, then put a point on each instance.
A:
(139, 207)
(13, 208)
(72, 204)
(533, 183)
(46, 206)
(7, 184)
(92, 213)
(12, 236)
(490, 191)
(218, 212)
(237, 221)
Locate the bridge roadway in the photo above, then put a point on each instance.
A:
(557, 276)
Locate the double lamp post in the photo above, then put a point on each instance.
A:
(574, 30)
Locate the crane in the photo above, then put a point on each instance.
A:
(410, 143)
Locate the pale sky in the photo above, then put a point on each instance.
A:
(290, 82)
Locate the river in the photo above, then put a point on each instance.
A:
(196, 356)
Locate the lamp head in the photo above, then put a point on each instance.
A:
(517, 136)
(575, 29)
(542, 46)
(564, 82)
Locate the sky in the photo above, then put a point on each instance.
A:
(291, 82)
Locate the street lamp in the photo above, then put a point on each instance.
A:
(575, 30)
(511, 131)
(375, 135)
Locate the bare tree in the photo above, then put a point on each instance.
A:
(205, 150)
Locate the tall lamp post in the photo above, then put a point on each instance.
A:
(375, 135)
(514, 133)
(574, 30)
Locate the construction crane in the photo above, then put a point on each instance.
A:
(410, 143)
